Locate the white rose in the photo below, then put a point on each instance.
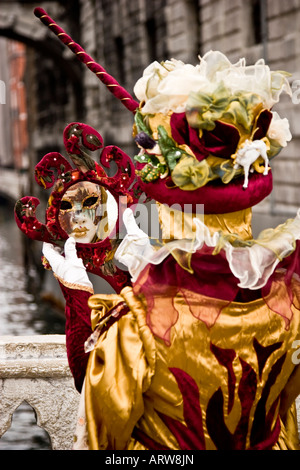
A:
(279, 130)
(257, 79)
(146, 87)
(166, 86)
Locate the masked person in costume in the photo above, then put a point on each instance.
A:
(198, 351)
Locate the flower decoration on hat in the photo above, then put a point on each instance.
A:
(208, 125)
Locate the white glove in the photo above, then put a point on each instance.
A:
(136, 249)
(69, 268)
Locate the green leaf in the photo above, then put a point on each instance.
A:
(141, 158)
(173, 156)
(165, 142)
(147, 159)
(169, 149)
(140, 124)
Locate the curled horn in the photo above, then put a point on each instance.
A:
(91, 139)
(78, 136)
(126, 170)
(113, 86)
(25, 216)
(43, 174)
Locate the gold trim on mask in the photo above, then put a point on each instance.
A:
(71, 201)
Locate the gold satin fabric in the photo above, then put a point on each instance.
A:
(176, 224)
(119, 370)
(289, 434)
(129, 382)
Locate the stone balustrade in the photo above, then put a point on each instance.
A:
(35, 369)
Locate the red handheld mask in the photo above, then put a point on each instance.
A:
(85, 202)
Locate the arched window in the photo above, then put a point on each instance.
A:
(120, 53)
(24, 433)
(257, 17)
(193, 10)
(156, 30)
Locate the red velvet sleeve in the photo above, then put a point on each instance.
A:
(78, 329)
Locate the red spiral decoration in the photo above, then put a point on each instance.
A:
(113, 86)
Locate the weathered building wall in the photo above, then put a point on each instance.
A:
(5, 128)
(256, 29)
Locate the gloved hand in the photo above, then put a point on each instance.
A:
(136, 249)
(69, 268)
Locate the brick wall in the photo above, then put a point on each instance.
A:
(284, 53)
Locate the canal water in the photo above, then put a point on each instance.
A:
(22, 312)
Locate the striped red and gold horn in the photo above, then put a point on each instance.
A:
(114, 87)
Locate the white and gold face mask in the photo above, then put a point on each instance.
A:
(82, 207)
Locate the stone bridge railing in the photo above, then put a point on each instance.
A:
(35, 369)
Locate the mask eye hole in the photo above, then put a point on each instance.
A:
(90, 202)
(65, 205)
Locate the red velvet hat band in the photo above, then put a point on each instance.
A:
(217, 198)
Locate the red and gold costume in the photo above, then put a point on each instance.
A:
(192, 361)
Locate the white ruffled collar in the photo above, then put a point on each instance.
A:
(251, 262)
